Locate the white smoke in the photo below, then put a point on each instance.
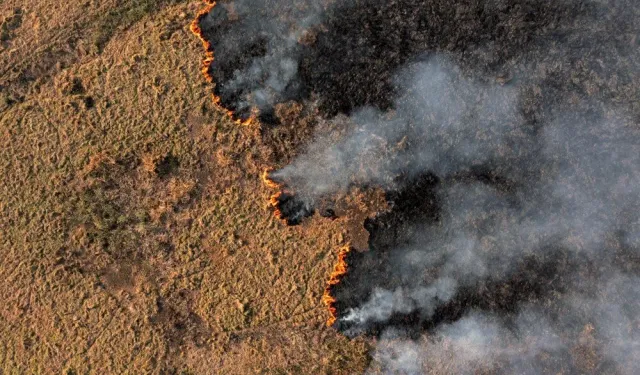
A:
(601, 332)
(575, 189)
(561, 137)
(274, 29)
(443, 122)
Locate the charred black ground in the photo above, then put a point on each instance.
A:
(566, 62)
(536, 276)
(291, 209)
(346, 59)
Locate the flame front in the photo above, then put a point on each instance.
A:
(267, 181)
(339, 270)
(208, 60)
(274, 200)
(208, 50)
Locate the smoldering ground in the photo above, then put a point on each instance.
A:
(506, 136)
(345, 53)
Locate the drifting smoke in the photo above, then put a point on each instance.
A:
(442, 123)
(344, 53)
(506, 136)
(257, 46)
(580, 335)
(508, 278)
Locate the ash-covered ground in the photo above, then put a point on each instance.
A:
(505, 135)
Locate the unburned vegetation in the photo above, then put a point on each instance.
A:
(134, 227)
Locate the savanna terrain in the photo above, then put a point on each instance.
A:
(135, 231)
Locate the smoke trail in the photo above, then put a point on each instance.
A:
(541, 203)
(506, 136)
(257, 46)
(442, 122)
(587, 336)
(343, 53)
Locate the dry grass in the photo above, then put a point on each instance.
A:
(134, 229)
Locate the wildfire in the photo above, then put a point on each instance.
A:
(195, 29)
(274, 200)
(267, 181)
(208, 60)
(339, 270)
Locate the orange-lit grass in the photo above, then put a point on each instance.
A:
(339, 270)
(208, 60)
(274, 200)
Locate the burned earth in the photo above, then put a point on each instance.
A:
(505, 136)
(345, 53)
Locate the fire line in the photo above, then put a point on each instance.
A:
(208, 60)
(340, 268)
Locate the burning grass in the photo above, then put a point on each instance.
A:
(340, 74)
(286, 205)
(208, 60)
(268, 181)
(275, 198)
(340, 269)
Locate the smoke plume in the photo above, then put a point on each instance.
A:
(505, 135)
(258, 45)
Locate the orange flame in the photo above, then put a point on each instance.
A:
(339, 270)
(267, 181)
(208, 59)
(208, 50)
(274, 200)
